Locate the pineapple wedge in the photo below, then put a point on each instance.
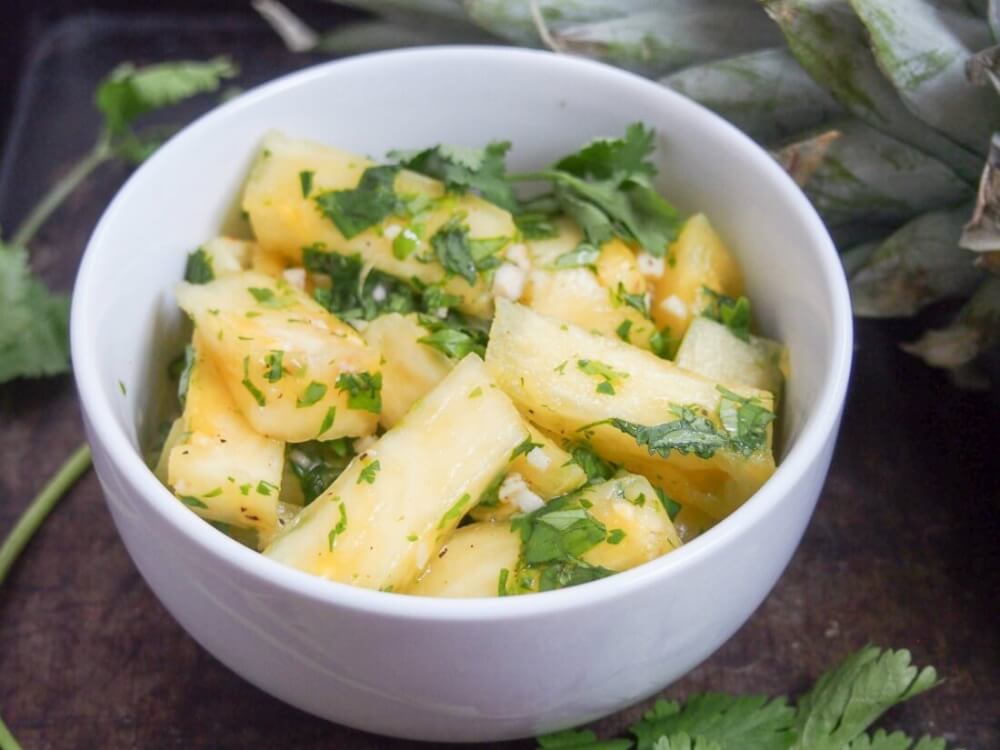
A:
(284, 220)
(227, 255)
(409, 369)
(472, 562)
(469, 564)
(566, 379)
(697, 259)
(712, 350)
(388, 514)
(296, 372)
(217, 464)
(579, 295)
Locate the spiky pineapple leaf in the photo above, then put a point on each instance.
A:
(831, 44)
(922, 46)
(918, 264)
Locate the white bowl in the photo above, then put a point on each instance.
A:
(433, 669)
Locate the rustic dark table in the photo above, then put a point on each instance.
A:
(903, 550)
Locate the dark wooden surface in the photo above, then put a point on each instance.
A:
(903, 550)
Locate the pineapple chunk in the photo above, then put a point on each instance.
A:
(637, 529)
(217, 464)
(228, 255)
(554, 374)
(409, 369)
(712, 350)
(389, 512)
(547, 468)
(630, 505)
(469, 564)
(268, 262)
(281, 355)
(594, 301)
(285, 221)
(697, 259)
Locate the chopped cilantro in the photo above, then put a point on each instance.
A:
(266, 488)
(184, 374)
(316, 464)
(745, 419)
(192, 502)
(638, 302)
(213, 493)
(461, 169)
(525, 447)
(339, 528)
(267, 298)
(452, 249)
(623, 330)
(535, 225)
(609, 376)
(306, 181)
(405, 244)
(734, 314)
(669, 504)
(456, 511)
(490, 498)
(502, 582)
(662, 344)
(476, 392)
(248, 384)
(355, 210)
(615, 536)
(369, 472)
(328, 418)
(453, 342)
(313, 393)
(198, 269)
(595, 467)
(411, 537)
(274, 368)
(364, 390)
(691, 432)
(351, 292)
(584, 255)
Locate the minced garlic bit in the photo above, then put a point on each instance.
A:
(392, 231)
(650, 265)
(515, 490)
(509, 281)
(379, 293)
(537, 458)
(296, 277)
(674, 305)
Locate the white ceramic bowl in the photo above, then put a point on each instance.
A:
(456, 670)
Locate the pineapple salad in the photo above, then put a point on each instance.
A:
(407, 378)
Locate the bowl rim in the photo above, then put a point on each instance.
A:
(112, 438)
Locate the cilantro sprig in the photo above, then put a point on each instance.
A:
(836, 714)
(461, 169)
(732, 312)
(316, 464)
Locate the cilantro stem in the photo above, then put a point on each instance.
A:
(25, 528)
(100, 153)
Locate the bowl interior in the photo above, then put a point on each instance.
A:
(126, 323)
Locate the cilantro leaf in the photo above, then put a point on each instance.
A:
(129, 92)
(316, 464)
(747, 722)
(575, 739)
(534, 225)
(369, 472)
(339, 528)
(609, 376)
(895, 741)
(453, 251)
(34, 323)
(364, 390)
(184, 375)
(312, 394)
(583, 255)
(606, 188)
(595, 467)
(198, 269)
(483, 171)
(689, 433)
(355, 210)
(734, 314)
(847, 699)
(745, 419)
(353, 294)
(454, 343)
(682, 741)
(638, 302)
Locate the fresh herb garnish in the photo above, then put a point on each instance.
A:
(306, 181)
(453, 251)
(669, 504)
(691, 432)
(316, 464)
(339, 528)
(595, 467)
(456, 511)
(248, 384)
(583, 255)
(524, 448)
(187, 361)
(606, 187)
(328, 419)
(198, 269)
(351, 293)
(662, 344)
(745, 419)
(535, 225)
(368, 472)
(609, 376)
(364, 390)
(638, 302)
(454, 343)
(272, 361)
(267, 298)
(461, 169)
(623, 330)
(733, 313)
(191, 502)
(373, 200)
(313, 393)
